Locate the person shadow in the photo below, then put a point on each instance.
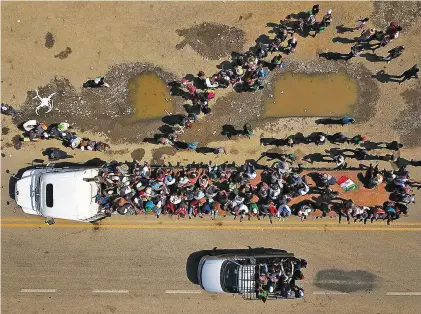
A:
(317, 157)
(341, 29)
(272, 141)
(328, 121)
(383, 77)
(333, 56)
(229, 131)
(343, 40)
(369, 145)
(371, 57)
(205, 150)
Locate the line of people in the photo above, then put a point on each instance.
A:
(35, 131)
(133, 188)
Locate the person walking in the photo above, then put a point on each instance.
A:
(394, 53)
(340, 161)
(408, 74)
(355, 51)
(357, 139)
(346, 120)
(218, 151)
(361, 23)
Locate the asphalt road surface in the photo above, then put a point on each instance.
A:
(138, 266)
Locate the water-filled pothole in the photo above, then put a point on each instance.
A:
(149, 96)
(303, 95)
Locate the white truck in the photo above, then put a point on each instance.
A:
(65, 193)
(254, 276)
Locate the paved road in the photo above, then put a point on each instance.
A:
(130, 269)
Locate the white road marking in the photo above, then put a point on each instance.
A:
(403, 293)
(110, 291)
(38, 290)
(329, 292)
(182, 291)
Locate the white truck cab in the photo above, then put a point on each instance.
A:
(59, 193)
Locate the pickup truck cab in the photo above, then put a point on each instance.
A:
(264, 276)
(59, 193)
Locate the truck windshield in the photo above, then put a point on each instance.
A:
(229, 277)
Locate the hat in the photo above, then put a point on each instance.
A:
(239, 70)
(364, 138)
(184, 180)
(329, 11)
(169, 180)
(299, 293)
(124, 167)
(115, 178)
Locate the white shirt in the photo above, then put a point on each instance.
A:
(304, 190)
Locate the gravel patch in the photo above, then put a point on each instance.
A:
(408, 122)
(405, 12)
(102, 110)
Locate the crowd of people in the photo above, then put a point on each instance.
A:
(35, 131)
(132, 188)
(245, 72)
(277, 279)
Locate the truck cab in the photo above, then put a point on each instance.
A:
(59, 193)
(245, 275)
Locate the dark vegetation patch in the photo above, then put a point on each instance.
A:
(104, 110)
(5, 130)
(212, 41)
(138, 154)
(49, 40)
(64, 54)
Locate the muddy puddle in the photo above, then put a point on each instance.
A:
(149, 96)
(302, 95)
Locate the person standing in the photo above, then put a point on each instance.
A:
(340, 161)
(248, 130)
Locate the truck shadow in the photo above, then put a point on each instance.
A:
(193, 260)
(345, 281)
